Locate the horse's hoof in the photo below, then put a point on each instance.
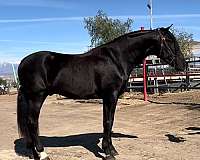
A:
(47, 158)
(110, 157)
(44, 156)
(114, 152)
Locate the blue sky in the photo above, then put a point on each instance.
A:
(27, 26)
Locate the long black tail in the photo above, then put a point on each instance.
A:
(22, 115)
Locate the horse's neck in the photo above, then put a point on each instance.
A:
(135, 53)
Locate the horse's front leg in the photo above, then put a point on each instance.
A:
(109, 106)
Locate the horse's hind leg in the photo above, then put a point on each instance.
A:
(35, 103)
(109, 106)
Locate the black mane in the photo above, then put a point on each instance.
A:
(124, 37)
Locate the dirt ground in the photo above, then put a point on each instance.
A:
(71, 130)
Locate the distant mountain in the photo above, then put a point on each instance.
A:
(6, 68)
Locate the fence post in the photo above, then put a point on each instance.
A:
(145, 80)
(187, 76)
(156, 85)
(144, 75)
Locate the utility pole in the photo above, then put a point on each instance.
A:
(15, 75)
(150, 7)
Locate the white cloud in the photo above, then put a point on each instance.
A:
(41, 20)
(46, 42)
(80, 18)
(178, 16)
(164, 16)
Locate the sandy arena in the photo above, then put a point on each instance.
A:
(72, 130)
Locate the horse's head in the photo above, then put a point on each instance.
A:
(169, 50)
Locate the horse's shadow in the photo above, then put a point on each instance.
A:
(89, 141)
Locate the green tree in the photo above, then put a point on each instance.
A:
(3, 82)
(185, 41)
(103, 29)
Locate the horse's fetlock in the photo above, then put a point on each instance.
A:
(39, 148)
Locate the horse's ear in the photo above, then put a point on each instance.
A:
(165, 30)
(169, 27)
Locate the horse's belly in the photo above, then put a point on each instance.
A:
(76, 89)
(76, 80)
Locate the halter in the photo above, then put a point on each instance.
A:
(164, 43)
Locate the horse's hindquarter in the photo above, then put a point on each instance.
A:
(32, 72)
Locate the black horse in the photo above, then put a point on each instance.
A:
(102, 72)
